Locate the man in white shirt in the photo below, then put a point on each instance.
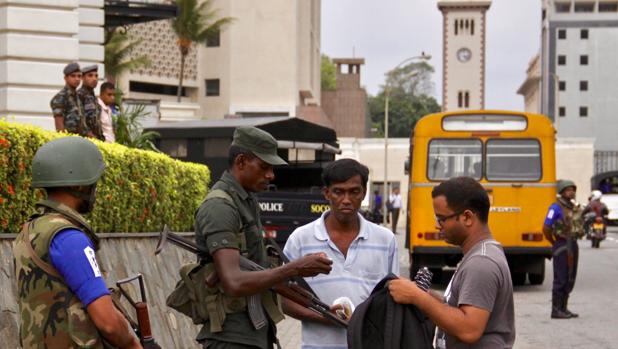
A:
(106, 99)
(362, 252)
(395, 203)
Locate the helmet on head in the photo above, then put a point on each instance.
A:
(563, 184)
(596, 195)
(67, 162)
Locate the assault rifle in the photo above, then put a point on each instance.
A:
(142, 326)
(297, 290)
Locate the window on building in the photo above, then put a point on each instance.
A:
(215, 40)
(583, 85)
(144, 87)
(583, 59)
(174, 147)
(456, 26)
(561, 60)
(583, 112)
(584, 7)
(562, 85)
(212, 87)
(562, 7)
(472, 27)
(467, 100)
(460, 99)
(583, 34)
(562, 34)
(609, 6)
(562, 111)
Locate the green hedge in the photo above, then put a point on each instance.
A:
(139, 192)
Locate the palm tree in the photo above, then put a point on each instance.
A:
(196, 23)
(118, 48)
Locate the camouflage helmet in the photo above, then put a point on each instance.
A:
(65, 162)
(563, 184)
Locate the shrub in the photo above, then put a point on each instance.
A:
(140, 190)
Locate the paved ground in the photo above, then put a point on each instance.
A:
(594, 298)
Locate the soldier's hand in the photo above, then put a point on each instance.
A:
(311, 265)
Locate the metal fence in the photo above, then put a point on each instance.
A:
(605, 161)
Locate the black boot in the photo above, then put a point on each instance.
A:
(566, 309)
(556, 307)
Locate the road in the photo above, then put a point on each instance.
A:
(595, 298)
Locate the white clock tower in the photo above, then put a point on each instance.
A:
(463, 57)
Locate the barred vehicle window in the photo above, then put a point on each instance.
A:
(513, 160)
(448, 158)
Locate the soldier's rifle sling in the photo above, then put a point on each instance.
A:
(289, 290)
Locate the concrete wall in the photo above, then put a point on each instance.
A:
(119, 257)
(370, 152)
(37, 39)
(575, 161)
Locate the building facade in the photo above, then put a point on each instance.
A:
(265, 63)
(463, 56)
(530, 89)
(346, 106)
(37, 39)
(579, 69)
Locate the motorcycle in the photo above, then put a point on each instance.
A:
(596, 232)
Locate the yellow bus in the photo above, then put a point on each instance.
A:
(512, 154)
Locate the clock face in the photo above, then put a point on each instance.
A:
(464, 54)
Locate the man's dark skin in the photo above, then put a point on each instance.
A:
(72, 81)
(343, 226)
(253, 175)
(108, 320)
(567, 194)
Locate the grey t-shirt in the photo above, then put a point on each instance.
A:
(483, 280)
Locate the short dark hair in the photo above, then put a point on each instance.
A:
(464, 193)
(343, 169)
(107, 86)
(235, 151)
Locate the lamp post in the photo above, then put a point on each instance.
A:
(387, 91)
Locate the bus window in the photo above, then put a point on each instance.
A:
(513, 160)
(449, 158)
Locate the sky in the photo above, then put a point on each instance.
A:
(386, 32)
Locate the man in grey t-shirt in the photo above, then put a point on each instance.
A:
(479, 299)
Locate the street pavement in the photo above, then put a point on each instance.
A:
(594, 298)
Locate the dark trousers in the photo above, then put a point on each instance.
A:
(565, 255)
(395, 213)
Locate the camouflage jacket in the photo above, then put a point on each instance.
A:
(51, 314)
(571, 225)
(66, 104)
(92, 111)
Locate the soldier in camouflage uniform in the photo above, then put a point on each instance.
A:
(92, 109)
(563, 226)
(66, 106)
(63, 299)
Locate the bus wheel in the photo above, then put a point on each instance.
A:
(537, 279)
(518, 279)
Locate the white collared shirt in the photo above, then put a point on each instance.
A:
(371, 256)
(106, 122)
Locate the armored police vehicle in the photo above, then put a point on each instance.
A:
(294, 198)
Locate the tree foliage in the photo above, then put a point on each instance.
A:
(196, 23)
(410, 89)
(118, 47)
(128, 129)
(328, 72)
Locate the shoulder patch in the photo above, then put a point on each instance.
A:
(89, 252)
(550, 214)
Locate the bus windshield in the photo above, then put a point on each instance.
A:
(454, 157)
(513, 160)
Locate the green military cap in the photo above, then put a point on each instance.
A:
(259, 142)
(70, 68)
(89, 68)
